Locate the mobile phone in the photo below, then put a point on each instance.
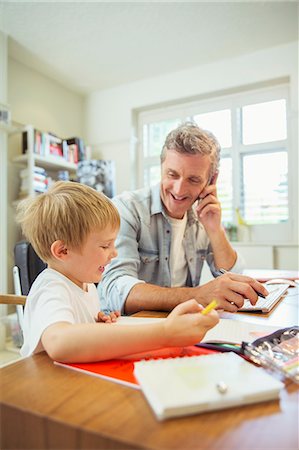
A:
(212, 180)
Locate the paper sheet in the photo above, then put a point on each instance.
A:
(227, 330)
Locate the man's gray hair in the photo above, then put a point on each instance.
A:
(190, 139)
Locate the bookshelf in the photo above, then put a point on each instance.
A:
(40, 157)
(21, 163)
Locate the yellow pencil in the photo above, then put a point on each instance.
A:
(209, 308)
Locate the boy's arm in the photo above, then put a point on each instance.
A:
(186, 325)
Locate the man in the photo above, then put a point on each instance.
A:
(169, 230)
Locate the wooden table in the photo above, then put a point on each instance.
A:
(44, 406)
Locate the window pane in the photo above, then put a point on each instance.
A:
(152, 175)
(154, 135)
(264, 122)
(265, 188)
(225, 189)
(219, 123)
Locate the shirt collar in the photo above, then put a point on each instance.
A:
(158, 208)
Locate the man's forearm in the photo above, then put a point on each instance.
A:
(224, 255)
(150, 297)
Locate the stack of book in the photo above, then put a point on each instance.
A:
(40, 181)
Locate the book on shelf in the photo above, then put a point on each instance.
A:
(38, 172)
(78, 147)
(39, 180)
(38, 186)
(48, 144)
(190, 385)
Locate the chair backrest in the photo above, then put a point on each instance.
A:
(18, 292)
(29, 266)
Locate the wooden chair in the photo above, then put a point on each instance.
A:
(17, 300)
(12, 299)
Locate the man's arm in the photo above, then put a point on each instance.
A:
(224, 255)
(228, 290)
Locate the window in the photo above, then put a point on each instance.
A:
(252, 130)
(265, 192)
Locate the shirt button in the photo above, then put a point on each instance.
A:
(191, 259)
(166, 258)
(167, 231)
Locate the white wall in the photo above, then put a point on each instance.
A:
(3, 170)
(110, 113)
(44, 103)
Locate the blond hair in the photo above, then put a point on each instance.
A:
(68, 211)
(189, 138)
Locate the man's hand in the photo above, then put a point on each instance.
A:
(209, 208)
(230, 290)
(107, 318)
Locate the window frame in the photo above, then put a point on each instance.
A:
(279, 233)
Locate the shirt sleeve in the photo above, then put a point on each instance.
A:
(42, 310)
(238, 267)
(122, 273)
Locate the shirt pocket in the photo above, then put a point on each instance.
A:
(149, 265)
(148, 256)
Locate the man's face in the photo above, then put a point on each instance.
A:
(183, 177)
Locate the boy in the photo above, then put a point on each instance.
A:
(73, 228)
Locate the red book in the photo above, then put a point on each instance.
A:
(122, 370)
(56, 149)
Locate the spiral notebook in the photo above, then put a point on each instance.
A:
(190, 385)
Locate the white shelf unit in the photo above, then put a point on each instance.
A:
(16, 161)
(50, 163)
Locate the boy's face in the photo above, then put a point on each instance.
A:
(87, 264)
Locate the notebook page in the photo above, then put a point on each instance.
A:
(235, 331)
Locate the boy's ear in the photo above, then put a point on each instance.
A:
(59, 250)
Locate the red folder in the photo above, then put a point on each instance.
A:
(121, 370)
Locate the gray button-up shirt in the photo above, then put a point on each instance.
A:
(143, 246)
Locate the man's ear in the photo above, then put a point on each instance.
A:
(59, 250)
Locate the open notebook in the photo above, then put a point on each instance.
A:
(189, 385)
(227, 330)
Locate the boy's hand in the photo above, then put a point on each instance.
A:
(107, 318)
(185, 325)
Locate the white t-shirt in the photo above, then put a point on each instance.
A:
(178, 262)
(54, 298)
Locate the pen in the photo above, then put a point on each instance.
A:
(223, 271)
(209, 308)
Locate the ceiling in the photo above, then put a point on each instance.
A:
(96, 45)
